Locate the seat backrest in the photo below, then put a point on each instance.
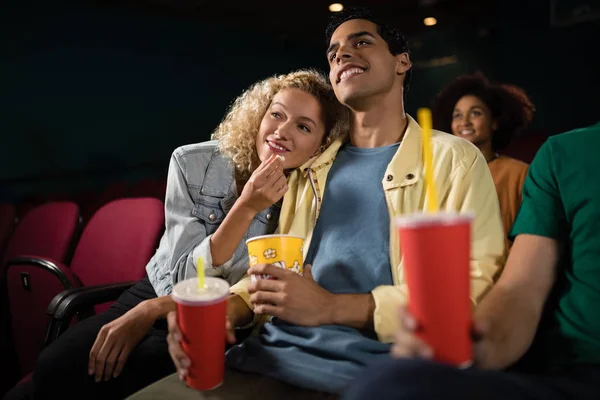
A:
(45, 231)
(113, 191)
(118, 241)
(30, 290)
(8, 214)
(28, 203)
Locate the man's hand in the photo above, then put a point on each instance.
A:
(291, 297)
(116, 340)
(408, 345)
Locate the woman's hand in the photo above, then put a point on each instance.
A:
(266, 185)
(116, 340)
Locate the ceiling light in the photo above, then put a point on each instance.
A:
(430, 21)
(336, 7)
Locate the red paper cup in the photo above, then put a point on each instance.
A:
(201, 317)
(436, 249)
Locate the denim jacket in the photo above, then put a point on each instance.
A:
(201, 190)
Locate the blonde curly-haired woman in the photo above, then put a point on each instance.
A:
(219, 193)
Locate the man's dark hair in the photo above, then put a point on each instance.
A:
(393, 37)
(509, 105)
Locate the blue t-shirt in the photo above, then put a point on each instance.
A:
(349, 253)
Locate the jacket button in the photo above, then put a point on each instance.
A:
(389, 178)
(212, 217)
(410, 176)
(269, 216)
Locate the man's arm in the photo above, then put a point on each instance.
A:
(513, 308)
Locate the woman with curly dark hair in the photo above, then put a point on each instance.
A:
(488, 115)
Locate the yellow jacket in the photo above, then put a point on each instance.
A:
(464, 184)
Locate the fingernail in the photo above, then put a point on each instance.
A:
(97, 379)
(177, 337)
(91, 371)
(185, 362)
(181, 377)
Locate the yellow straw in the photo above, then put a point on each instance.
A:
(424, 117)
(200, 270)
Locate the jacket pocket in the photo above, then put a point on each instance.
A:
(208, 209)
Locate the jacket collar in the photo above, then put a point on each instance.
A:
(325, 158)
(404, 168)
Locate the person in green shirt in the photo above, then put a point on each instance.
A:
(537, 333)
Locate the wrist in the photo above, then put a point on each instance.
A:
(244, 210)
(329, 314)
(157, 308)
(238, 312)
(349, 310)
(149, 309)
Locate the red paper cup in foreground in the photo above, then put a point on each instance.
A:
(436, 251)
(201, 315)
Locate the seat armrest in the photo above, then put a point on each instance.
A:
(78, 301)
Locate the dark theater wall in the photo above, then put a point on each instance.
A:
(86, 87)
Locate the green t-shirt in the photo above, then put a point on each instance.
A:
(561, 200)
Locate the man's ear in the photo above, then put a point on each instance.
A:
(403, 63)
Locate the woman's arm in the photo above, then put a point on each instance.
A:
(157, 308)
(186, 237)
(118, 338)
(264, 188)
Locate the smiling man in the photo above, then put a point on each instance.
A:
(340, 317)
